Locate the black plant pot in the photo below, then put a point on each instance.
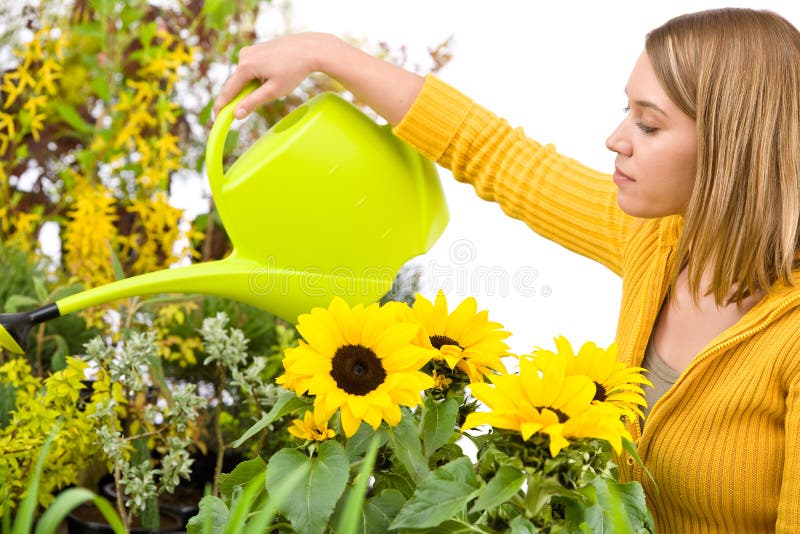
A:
(87, 519)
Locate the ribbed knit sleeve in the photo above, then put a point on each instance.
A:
(789, 504)
(556, 196)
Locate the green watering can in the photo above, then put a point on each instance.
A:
(327, 203)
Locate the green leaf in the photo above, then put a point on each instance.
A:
(504, 485)
(379, 511)
(408, 448)
(70, 499)
(357, 445)
(520, 525)
(313, 503)
(213, 512)
(241, 475)
(130, 15)
(146, 34)
(22, 153)
(217, 13)
(460, 470)
(119, 272)
(612, 507)
(348, 522)
(231, 143)
(58, 362)
(240, 507)
(41, 291)
(286, 403)
(73, 118)
(204, 117)
(66, 291)
(8, 402)
(279, 495)
(5, 522)
(15, 302)
(24, 518)
(448, 527)
(438, 424)
(630, 448)
(102, 7)
(398, 480)
(541, 491)
(99, 86)
(438, 498)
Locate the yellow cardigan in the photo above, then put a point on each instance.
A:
(724, 442)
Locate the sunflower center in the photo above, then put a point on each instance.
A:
(599, 392)
(440, 341)
(357, 370)
(562, 417)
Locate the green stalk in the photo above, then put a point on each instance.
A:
(150, 517)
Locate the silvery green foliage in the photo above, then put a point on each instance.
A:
(98, 353)
(113, 443)
(175, 465)
(227, 348)
(186, 404)
(130, 364)
(139, 485)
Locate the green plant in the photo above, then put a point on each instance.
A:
(385, 418)
(131, 424)
(65, 502)
(28, 283)
(246, 380)
(30, 407)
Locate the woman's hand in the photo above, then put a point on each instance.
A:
(281, 64)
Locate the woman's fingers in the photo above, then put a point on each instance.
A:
(261, 95)
(231, 88)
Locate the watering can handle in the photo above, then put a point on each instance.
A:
(216, 139)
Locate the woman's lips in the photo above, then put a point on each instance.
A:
(621, 178)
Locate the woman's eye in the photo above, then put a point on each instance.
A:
(645, 128)
(639, 124)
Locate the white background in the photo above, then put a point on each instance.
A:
(556, 69)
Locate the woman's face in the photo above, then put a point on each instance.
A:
(656, 146)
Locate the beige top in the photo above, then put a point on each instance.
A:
(660, 374)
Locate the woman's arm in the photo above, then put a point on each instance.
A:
(557, 197)
(283, 63)
(789, 504)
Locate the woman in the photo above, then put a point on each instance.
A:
(701, 220)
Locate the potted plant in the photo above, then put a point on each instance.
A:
(144, 426)
(407, 419)
(30, 407)
(231, 388)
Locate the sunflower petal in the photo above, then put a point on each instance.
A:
(350, 422)
(321, 331)
(459, 319)
(557, 441)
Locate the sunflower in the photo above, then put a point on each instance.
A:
(360, 361)
(615, 382)
(549, 402)
(465, 339)
(307, 428)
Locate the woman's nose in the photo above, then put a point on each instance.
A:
(618, 142)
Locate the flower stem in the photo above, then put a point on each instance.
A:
(218, 431)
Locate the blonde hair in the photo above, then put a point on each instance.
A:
(736, 72)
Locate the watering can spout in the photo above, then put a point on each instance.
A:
(14, 327)
(327, 203)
